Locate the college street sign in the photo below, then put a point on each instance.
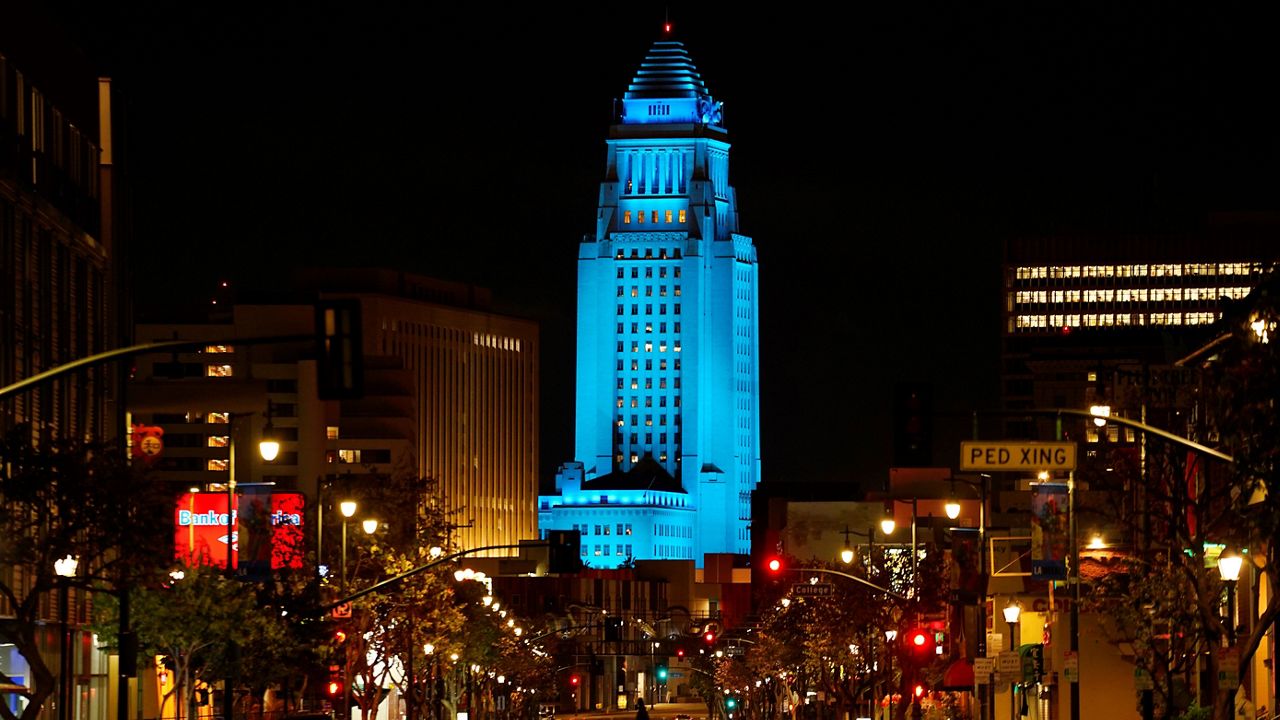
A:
(1017, 456)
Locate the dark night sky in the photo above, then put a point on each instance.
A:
(881, 157)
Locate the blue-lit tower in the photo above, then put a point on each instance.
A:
(668, 431)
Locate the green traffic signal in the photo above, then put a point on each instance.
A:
(662, 673)
(730, 703)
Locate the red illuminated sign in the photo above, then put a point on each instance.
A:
(270, 525)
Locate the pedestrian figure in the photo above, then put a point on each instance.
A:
(641, 713)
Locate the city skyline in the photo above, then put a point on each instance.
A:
(935, 134)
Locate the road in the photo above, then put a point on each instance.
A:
(696, 711)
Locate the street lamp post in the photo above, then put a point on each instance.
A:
(65, 569)
(1229, 563)
(888, 525)
(846, 555)
(1012, 612)
(348, 508)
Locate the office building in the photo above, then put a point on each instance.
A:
(667, 438)
(450, 393)
(1085, 316)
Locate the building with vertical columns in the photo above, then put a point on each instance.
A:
(667, 436)
(450, 393)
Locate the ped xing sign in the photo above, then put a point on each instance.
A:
(1014, 456)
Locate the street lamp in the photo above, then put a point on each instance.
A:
(1229, 562)
(348, 508)
(370, 526)
(1012, 612)
(888, 525)
(65, 569)
(846, 555)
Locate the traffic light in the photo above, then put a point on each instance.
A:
(774, 565)
(339, 636)
(730, 702)
(919, 692)
(710, 637)
(334, 688)
(661, 673)
(564, 549)
(574, 680)
(680, 653)
(919, 639)
(339, 352)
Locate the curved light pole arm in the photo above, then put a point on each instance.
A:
(854, 578)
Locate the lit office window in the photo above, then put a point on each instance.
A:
(218, 371)
(626, 217)
(219, 441)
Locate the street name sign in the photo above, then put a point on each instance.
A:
(1016, 456)
(812, 589)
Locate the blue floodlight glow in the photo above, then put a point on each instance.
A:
(667, 405)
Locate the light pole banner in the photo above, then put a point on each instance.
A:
(1050, 531)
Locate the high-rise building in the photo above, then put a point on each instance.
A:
(450, 393)
(59, 260)
(1084, 317)
(668, 415)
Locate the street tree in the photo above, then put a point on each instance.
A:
(68, 499)
(198, 620)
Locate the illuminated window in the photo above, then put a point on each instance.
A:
(648, 346)
(635, 402)
(634, 384)
(635, 291)
(217, 371)
(662, 290)
(640, 217)
(635, 458)
(1091, 376)
(626, 217)
(349, 456)
(655, 217)
(681, 217)
(619, 418)
(217, 417)
(219, 441)
(217, 464)
(219, 348)
(668, 217)
(648, 421)
(662, 364)
(676, 347)
(635, 365)
(662, 347)
(620, 402)
(648, 327)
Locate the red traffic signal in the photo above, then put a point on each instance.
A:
(574, 680)
(709, 636)
(774, 565)
(335, 688)
(919, 639)
(340, 636)
(680, 652)
(919, 691)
